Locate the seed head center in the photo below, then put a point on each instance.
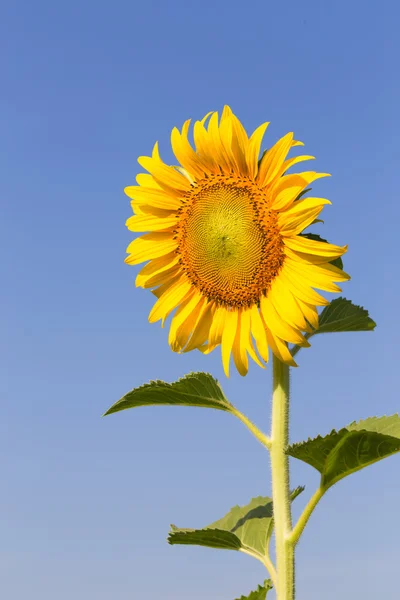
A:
(228, 241)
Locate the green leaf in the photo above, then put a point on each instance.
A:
(343, 315)
(303, 193)
(260, 593)
(352, 448)
(337, 262)
(195, 389)
(243, 528)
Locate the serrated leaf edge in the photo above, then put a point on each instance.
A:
(225, 404)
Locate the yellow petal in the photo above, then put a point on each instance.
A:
(148, 246)
(163, 277)
(272, 160)
(253, 150)
(309, 312)
(150, 223)
(246, 341)
(240, 141)
(287, 188)
(301, 214)
(164, 175)
(154, 268)
(147, 209)
(217, 326)
(286, 305)
(217, 145)
(306, 246)
(294, 161)
(300, 288)
(146, 180)
(201, 330)
(239, 349)
(280, 349)
(277, 325)
(259, 334)
(171, 298)
(183, 321)
(321, 276)
(185, 153)
(253, 354)
(204, 147)
(226, 135)
(153, 196)
(228, 337)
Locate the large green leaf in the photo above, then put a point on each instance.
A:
(343, 315)
(195, 389)
(352, 448)
(260, 593)
(244, 528)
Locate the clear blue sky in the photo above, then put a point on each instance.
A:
(86, 502)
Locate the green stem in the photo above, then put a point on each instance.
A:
(264, 439)
(270, 565)
(303, 520)
(280, 482)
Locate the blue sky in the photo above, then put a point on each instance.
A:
(86, 502)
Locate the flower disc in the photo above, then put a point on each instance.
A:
(228, 241)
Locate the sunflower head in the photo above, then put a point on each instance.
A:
(225, 248)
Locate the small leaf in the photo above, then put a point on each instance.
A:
(260, 593)
(336, 262)
(195, 389)
(354, 447)
(244, 528)
(303, 193)
(343, 315)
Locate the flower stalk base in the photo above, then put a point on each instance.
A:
(280, 482)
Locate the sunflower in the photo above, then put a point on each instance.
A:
(225, 244)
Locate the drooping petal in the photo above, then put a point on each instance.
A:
(184, 320)
(285, 305)
(280, 349)
(239, 350)
(259, 333)
(155, 267)
(278, 326)
(201, 329)
(228, 337)
(246, 339)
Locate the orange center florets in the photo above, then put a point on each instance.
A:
(228, 240)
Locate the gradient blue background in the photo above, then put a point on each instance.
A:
(86, 502)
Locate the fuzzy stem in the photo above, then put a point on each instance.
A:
(280, 482)
(303, 520)
(261, 437)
